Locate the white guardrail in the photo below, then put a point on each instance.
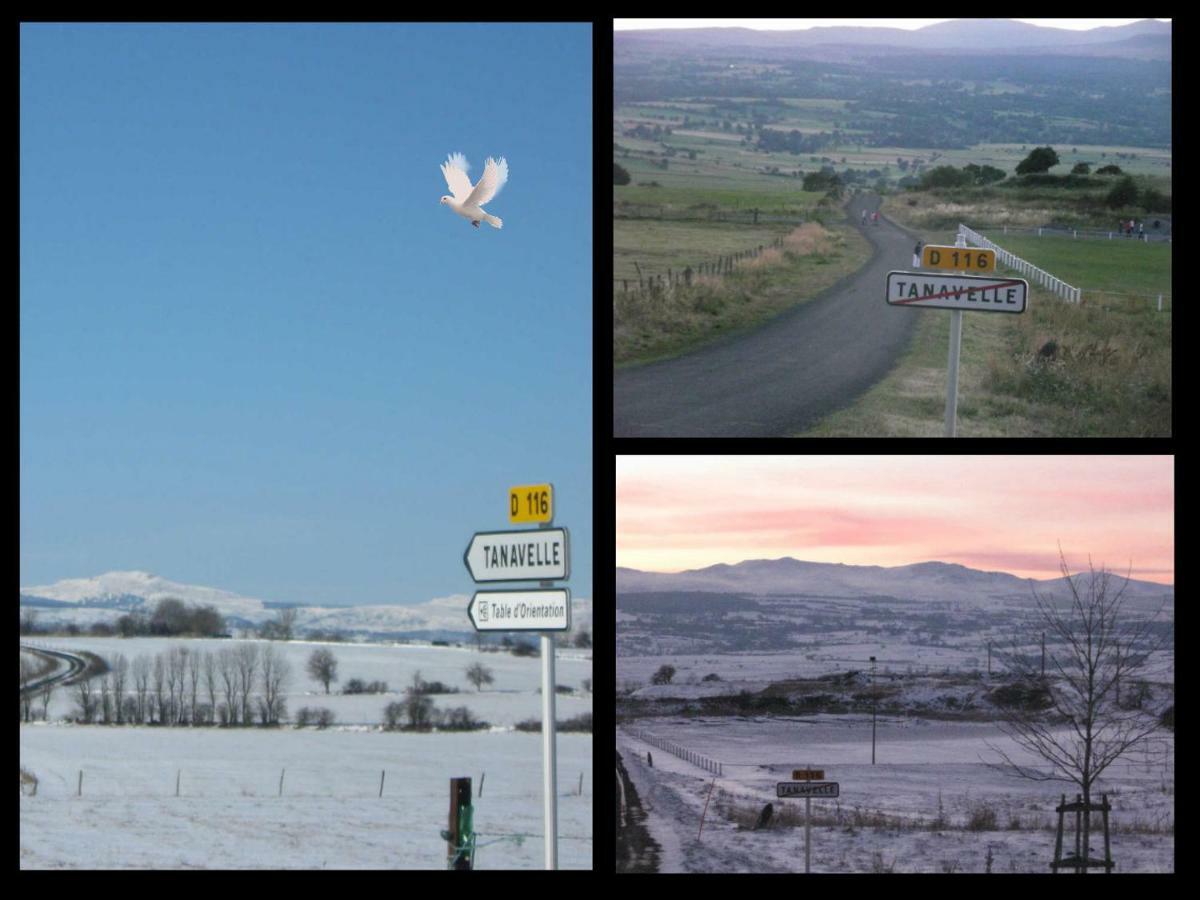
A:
(687, 755)
(1026, 268)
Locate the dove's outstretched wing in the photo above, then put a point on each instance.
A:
(493, 178)
(455, 170)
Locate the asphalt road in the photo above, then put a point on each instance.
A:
(75, 666)
(636, 851)
(788, 374)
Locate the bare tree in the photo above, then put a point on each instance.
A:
(417, 705)
(479, 674)
(27, 674)
(287, 622)
(120, 669)
(29, 620)
(87, 700)
(245, 659)
(227, 667)
(1099, 647)
(160, 699)
(176, 666)
(210, 679)
(193, 683)
(47, 690)
(275, 674)
(322, 666)
(105, 701)
(141, 685)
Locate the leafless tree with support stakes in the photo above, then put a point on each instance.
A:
(1097, 647)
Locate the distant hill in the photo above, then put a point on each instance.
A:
(980, 35)
(922, 581)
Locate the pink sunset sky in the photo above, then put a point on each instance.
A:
(997, 513)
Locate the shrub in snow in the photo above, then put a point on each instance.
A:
(393, 715)
(460, 719)
(981, 818)
(358, 686)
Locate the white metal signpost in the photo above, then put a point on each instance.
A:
(931, 290)
(541, 555)
(807, 789)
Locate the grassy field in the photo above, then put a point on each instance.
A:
(1109, 373)
(655, 325)
(1120, 266)
(658, 246)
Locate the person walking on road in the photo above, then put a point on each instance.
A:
(917, 256)
(864, 216)
(875, 217)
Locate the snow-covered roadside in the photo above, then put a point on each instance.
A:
(919, 762)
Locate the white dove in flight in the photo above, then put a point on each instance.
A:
(468, 201)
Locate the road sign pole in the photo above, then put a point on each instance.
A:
(549, 754)
(549, 758)
(952, 379)
(960, 240)
(807, 832)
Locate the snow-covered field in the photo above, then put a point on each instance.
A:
(229, 812)
(916, 761)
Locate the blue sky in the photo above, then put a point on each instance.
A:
(255, 351)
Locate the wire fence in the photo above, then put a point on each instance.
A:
(661, 281)
(216, 781)
(700, 213)
(1156, 235)
(1161, 302)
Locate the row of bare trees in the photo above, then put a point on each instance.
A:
(233, 686)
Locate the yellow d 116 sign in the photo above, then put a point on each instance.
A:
(963, 259)
(531, 503)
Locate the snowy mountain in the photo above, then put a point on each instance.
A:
(921, 581)
(133, 590)
(83, 601)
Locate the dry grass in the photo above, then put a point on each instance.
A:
(668, 320)
(926, 211)
(29, 782)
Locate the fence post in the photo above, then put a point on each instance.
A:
(177, 774)
(382, 773)
(580, 784)
(281, 771)
(460, 804)
(482, 775)
(1160, 302)
(79, 790)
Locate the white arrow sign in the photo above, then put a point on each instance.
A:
(544, 610)
(536, 555)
